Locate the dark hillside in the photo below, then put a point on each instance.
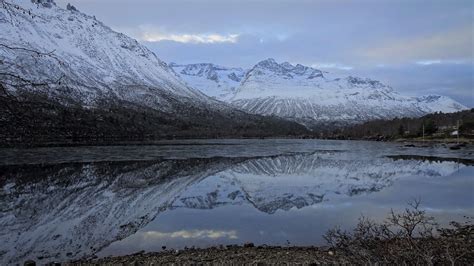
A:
(436, 125)
(35, 119)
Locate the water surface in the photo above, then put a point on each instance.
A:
(60, 204)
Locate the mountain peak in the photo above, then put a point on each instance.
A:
(287, 65)
(356, 81)
(269, 63)
(44, 3)
(211, 79)
(286, 69)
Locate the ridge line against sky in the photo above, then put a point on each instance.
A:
(418, 47)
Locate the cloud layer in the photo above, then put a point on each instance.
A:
(451, 46)
(190, 38)
(149, 33)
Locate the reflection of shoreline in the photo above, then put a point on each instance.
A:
(467, 162)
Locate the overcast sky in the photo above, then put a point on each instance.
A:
(417, 47)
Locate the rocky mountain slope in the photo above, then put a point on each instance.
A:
(314, 98)
(59, 61)
(94, 61)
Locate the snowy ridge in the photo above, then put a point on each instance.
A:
(313, 97)
(213, 80)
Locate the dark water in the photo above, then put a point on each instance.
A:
(60, 204)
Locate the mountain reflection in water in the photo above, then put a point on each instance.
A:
(70, 210)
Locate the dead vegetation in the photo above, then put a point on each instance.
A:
(409, 237)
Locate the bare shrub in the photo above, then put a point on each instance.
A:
(411, 237)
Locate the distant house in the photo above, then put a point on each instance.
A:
(443, 128)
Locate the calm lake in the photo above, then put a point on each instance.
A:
(66, 203)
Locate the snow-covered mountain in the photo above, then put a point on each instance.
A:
(63, 58)
(313, 97)
(85, 62)
(93, 61)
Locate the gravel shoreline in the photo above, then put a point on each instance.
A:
(247, 254)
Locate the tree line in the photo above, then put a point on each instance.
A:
(435, 125)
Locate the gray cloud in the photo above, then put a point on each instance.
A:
(454, 45)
